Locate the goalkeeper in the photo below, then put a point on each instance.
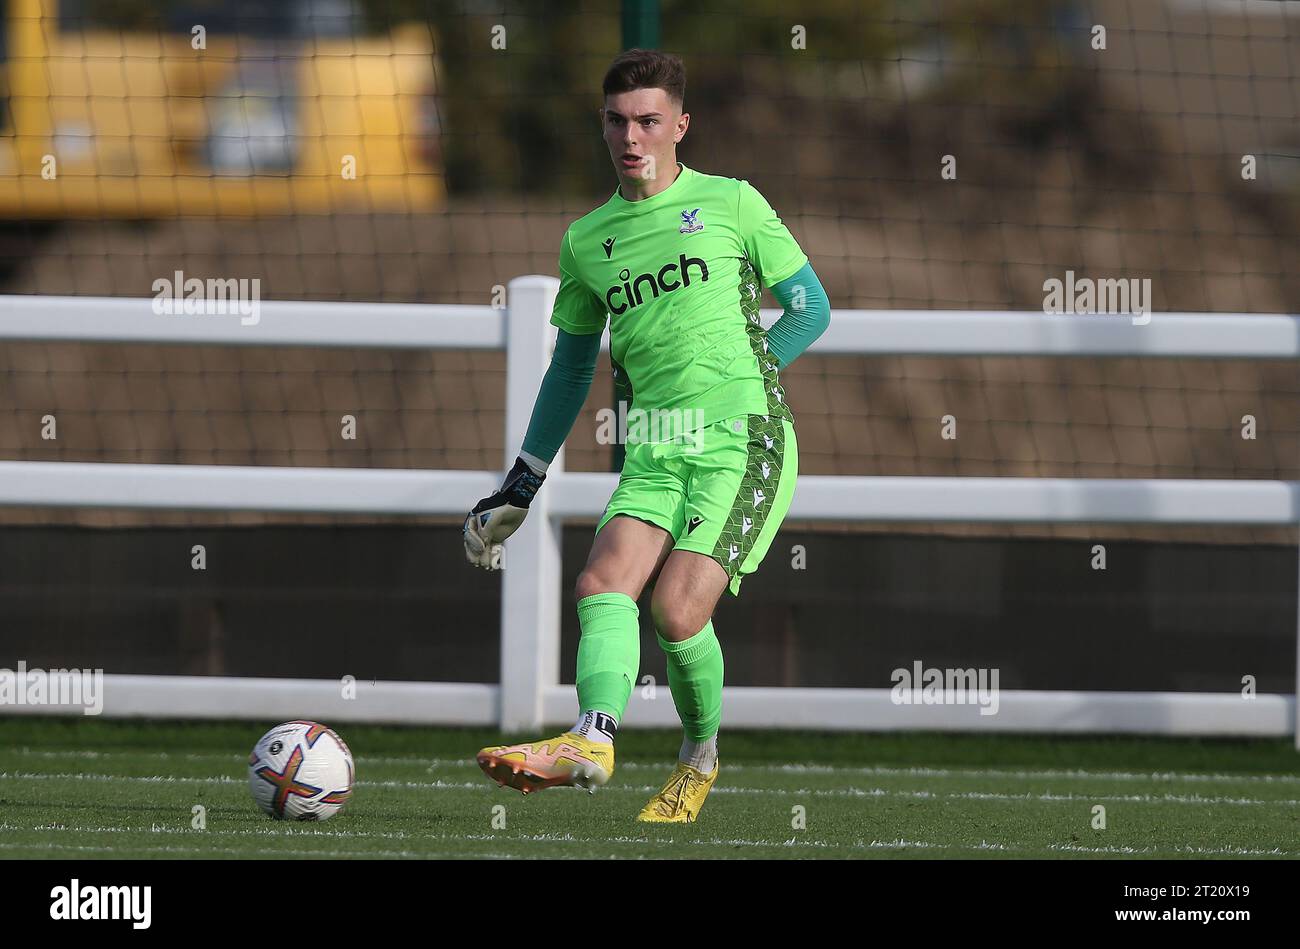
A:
(675, 260)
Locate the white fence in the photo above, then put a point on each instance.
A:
(529, 694)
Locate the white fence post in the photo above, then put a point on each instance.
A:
(530, 587)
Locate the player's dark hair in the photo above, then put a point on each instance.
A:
(647, 69)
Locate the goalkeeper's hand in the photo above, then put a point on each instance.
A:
(499, 515)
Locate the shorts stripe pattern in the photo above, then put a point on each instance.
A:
(756, 494)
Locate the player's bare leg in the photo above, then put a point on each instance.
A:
(686, 593)
(685, 596)
(627, 554)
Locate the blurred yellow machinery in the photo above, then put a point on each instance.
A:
(248, 116)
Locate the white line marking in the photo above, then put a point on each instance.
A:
(208, 851)
(899, 843)
(796, 768)
(486, 786)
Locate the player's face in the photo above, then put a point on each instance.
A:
(642, 129)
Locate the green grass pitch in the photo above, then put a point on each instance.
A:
(79, 788)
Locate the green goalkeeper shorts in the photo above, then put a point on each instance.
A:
(721, 490)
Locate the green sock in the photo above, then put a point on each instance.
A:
(609, 652)
(695, 678)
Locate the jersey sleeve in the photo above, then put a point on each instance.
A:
(577, 310)
(771, 247)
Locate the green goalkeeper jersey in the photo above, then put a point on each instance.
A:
(679, 276)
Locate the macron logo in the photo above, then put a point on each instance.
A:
(103, 902)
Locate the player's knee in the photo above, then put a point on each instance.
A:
(590, 582)
(674, 620)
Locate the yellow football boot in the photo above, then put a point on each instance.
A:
(566, 760)
(681, 798)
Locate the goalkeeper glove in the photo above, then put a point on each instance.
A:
(499, 515)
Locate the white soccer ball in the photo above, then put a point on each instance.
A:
(301, 771)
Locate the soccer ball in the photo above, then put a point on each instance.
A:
(301, 771)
